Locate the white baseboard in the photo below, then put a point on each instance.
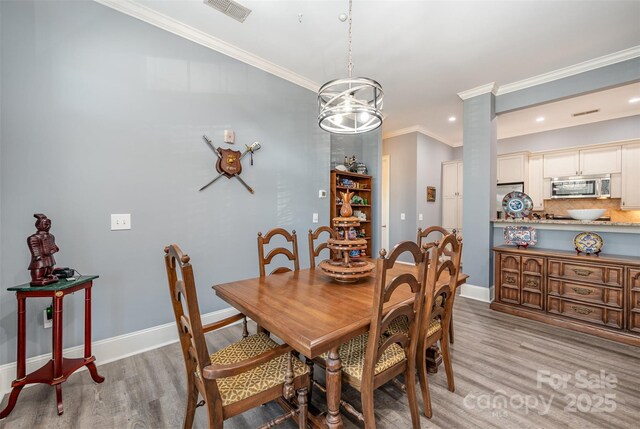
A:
(112, 349)
(479, 293)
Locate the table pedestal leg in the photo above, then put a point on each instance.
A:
(59, 399)
(13, 398)
(87, 337)
(334, 389)
(21, 361)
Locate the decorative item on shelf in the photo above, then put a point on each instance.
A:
(365, 202)
(357, 200)
(517, 204)
(524, 236)
(349, 267)
(351, 105)
(229, 162)
(588, 242)
(362, 168)
(431, 194)
(42, 246)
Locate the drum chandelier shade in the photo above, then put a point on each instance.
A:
(351, 105)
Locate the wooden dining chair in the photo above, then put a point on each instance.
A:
(292, 255)
(236, 378)
(314, 252)
(372, 359)
(438, 309)
(436, 232)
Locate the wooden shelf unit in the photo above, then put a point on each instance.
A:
(363, 191)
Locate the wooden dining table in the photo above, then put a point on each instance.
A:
(314, 315)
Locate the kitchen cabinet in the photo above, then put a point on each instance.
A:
(512, 168)
(452, 203)
(630, 177)
(585, 162)
(536, 182)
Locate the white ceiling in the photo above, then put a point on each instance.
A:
(422, 52)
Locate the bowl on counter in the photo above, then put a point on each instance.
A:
(586, 214)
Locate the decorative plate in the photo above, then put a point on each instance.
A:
(517, 204)
(588, 242)
(520, 236)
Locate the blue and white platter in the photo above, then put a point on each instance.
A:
(588, 242)
(517, 204)
(524, 236)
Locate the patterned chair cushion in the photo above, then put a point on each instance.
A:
(401, 324)
(352, 355)
(256, 380)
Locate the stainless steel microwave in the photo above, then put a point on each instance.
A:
(581, 187)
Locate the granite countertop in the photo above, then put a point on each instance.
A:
(566, 222)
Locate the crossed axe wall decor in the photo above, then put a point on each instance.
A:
(229, 162)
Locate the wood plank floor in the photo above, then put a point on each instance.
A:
(497, 358)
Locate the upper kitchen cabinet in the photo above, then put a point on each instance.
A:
(512, 168)
(631, 177)
(602, 160)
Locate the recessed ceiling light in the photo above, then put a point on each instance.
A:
(540, 119)
(452, 118)
(634, 100)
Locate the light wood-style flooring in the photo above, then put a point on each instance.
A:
(497, 359)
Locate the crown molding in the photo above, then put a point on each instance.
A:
(585, 66)
(416, 129)
(479, 90)
(150, 16)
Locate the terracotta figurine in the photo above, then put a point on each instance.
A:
(42, 246)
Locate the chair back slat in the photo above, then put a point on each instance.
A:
(187, 312)
(435, 309)
(377, 343)
(291, 255)
(314, 252)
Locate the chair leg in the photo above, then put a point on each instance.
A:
(424, 381)
(309, 363)
(367, 409)
(410, 383)
(302, 408)
(448, 367)
(192, 400)
(451, 330)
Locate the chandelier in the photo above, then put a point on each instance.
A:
(351, 105)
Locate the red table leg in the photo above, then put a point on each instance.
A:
(87, 337)
(21, 361)
(57, 347)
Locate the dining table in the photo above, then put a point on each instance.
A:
(315, 314)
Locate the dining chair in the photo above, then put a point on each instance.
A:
(440, 233)
(438, 309)
(292, 255)
(314, 252)
(372, 359)
(236, 378)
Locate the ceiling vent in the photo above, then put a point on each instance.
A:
(586, 112)
(230, 8)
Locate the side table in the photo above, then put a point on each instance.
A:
(58, 369)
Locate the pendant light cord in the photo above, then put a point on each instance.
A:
(350, 65)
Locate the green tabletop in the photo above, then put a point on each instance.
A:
(61, 284)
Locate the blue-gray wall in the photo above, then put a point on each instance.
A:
(102, 113)
(430, 154)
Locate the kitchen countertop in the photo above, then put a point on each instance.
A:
(592, 225)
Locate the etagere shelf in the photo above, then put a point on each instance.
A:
(361, 185)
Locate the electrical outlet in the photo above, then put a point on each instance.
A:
(420, 216)
(315, 218)
(120, 221)
(402, 216)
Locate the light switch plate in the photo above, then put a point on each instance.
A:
(120, 221)
(229, 136)
(322, 193)
(402, 216)
(420, 216)
(315, 218)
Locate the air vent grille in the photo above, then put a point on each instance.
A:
(230, 8)
(586, 112)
